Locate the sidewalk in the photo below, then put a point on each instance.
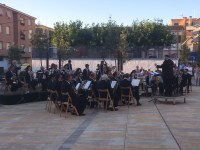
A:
(153, 127)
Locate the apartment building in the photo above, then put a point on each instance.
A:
(191, 27)
(16, 28)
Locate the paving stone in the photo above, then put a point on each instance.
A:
(30, 127)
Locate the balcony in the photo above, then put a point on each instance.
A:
(26, 55)
(4, 53)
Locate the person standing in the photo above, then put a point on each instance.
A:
(69, 66)
(86, 72)
(167, 74)
(16, 68)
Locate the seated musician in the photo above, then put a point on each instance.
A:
(54, 84)
(160, 83)
(126, 82)
(29, 77)
(92, 78)
(78, 101)
(116, 89)
(41, 75)
(12, 80)
(183, 80)
(104, 83)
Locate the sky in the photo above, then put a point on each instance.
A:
(123, 12)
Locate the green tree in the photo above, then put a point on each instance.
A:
(14, 53)
(148, 34)
(40, 42)
(123, 46)
(61, 40)
(111, 37)
(185, 51)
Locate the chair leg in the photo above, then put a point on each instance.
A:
(61, 105)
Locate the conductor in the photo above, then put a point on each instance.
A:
(167, 74)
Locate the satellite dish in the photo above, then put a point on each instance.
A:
(26, 50)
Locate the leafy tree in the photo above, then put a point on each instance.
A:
(14, 53)
(40, 42)
(149, 34)
(123, 46)
(185, 51)
(61, 40)
(111, 36)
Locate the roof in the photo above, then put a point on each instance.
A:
(175, 27)
(5, 6)
(44, 27)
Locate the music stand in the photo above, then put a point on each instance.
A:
(87, 85)
(113, 84)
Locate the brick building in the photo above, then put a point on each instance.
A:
(16, 28)
(191, 26)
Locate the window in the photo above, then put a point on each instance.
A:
(1, 45)
(30, 49)
(7, 45)
(29, 22)
(176, 24)
(1, 12)
(22, 46)
(30, 34)
(22, 35)
(22, 21)
(8, 13)
(0, 28)
(7, 30)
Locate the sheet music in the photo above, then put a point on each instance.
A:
(135, 82)
(77, 86)
(87, 85)
(113, 84)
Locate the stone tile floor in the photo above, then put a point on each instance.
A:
(163, 126)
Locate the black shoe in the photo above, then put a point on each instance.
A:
(82, 115)
(138, 104)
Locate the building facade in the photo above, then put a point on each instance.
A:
(16, 28)
(191, 27)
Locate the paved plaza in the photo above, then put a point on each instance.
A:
(161, 126)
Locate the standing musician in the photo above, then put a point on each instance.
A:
(12, 79)
(68, 66)
(167, 74)
(86, 72)
(16, 68)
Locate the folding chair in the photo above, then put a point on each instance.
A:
(67, 101)
(127, 95)
(92, 97)
(53, 99)
(48, 101)
(104, 96)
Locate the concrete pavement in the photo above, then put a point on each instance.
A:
(161, 126)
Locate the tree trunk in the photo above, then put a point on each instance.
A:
(59, 62)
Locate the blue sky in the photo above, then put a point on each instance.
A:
(48, 12)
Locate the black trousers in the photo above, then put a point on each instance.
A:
(168, 86)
